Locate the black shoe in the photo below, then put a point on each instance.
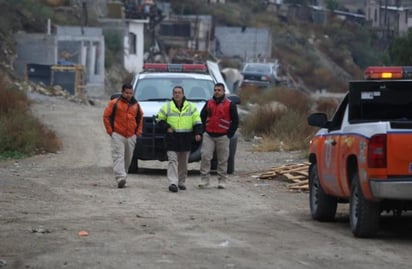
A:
(121, 183)
(173, 188)
(182, 187)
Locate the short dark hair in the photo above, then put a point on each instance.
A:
(220, 84)
(178, 87)
(126, 86)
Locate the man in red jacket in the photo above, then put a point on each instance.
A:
(123, 120)
(220, 120)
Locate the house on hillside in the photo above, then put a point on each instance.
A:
(390, 17)
(71, 57)
(131, 33)
(183, 36)
(247, 43)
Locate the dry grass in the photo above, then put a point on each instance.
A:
(21, 134)
(279, 118)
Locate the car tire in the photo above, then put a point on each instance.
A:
(134, 166)
(363, 214)
(322, 206)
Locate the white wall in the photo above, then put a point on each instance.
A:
(133, 63)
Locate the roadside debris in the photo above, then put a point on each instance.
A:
(83, 233)
(296, 174)
(40, 230)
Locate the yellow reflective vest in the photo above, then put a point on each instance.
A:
(180, 121)
(185, 123)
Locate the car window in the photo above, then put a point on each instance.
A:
(161, 88)
(261, 68)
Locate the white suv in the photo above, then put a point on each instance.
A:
(153, 87)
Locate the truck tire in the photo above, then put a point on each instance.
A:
(363, 214)
(134, 166)
(322, 206)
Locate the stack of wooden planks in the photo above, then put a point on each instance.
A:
(295, 174)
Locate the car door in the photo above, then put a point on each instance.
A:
(214, 71)
(330, 161)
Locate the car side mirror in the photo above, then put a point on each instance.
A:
(318, 120)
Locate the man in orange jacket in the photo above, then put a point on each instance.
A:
(123, 120)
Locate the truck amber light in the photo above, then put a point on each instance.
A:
(377, 151)
(384, 72)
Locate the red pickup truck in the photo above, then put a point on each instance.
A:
(363, 155)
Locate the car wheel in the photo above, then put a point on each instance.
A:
(322, 206)
(363, 214)
(134, 166)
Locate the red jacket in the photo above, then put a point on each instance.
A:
(218, 119)
(127, 119)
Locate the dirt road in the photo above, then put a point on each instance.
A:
(45, 201)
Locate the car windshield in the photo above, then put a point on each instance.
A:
(260, 68)
(160, 89)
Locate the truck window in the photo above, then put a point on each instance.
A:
(337, 118)
(380, 102)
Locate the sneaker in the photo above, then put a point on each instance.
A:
(121, 183)
(221, 184)
(182, 187)
(204, 183)
(173, 188)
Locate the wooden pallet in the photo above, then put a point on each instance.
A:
(296, 174)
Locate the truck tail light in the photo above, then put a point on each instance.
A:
(377, 151)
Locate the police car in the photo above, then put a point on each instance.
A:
(153, 87)
(363, 155)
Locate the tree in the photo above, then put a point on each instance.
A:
(331, 4)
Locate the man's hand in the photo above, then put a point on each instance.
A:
(198, 137)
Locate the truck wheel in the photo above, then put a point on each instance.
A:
(363, 214)
(134, 166)
(322, 206)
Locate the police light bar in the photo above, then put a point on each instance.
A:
(154, 67)
(387, 72)
(188, 68)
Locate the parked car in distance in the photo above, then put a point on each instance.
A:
(260, 74)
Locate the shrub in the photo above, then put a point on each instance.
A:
(326, 105)
(279, 116)
(21, 134)
(113, 43)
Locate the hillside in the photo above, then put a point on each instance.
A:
(312, 56)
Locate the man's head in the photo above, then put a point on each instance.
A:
(219, 90)
(178, 94)
(127, 91)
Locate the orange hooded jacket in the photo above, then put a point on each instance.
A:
(127, 119)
